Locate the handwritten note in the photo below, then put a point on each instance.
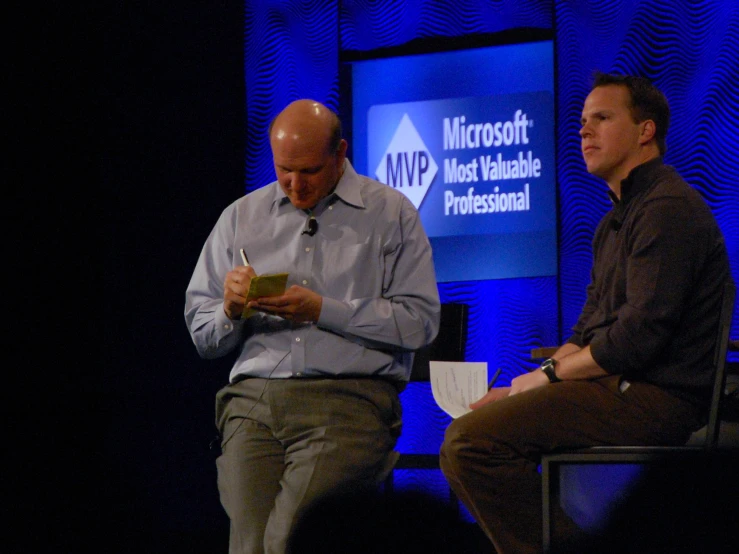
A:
(455, 385)
(264, 286)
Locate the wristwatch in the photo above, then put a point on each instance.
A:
(547, 366)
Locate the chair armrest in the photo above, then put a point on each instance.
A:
(543, 352)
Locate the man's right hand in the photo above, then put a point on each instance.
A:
(494, 394)
(235, 289)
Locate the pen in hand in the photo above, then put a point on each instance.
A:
(495, 378)
(243, 259)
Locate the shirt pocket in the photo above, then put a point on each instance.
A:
(350, 271)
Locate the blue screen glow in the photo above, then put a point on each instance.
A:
(468, 136)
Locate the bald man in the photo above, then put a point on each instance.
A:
(312, 400)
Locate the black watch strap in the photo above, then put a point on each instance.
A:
(547, 366)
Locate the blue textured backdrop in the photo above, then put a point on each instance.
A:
(689, 49)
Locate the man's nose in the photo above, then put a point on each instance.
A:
(297, 183)
(585, 130)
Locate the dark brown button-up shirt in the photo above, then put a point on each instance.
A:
(659, 266)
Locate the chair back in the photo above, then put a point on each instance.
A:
(719, 362)
(448, 346)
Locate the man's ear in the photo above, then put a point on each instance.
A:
(343, 145)
(649, 129)
(341, 153)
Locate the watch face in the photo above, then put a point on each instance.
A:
(548, 368)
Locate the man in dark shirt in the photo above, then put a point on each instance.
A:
(637, 368)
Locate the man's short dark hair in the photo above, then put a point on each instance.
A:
(647, 102)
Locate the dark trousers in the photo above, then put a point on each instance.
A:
(490, 456)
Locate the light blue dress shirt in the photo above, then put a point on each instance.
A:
(370, 260)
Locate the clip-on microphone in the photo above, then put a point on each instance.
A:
(311, 226)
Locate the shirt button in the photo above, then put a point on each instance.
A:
(227, 327)
(297, 340)
(307, 249)
(330, 207)
(305, 282)
(299, 374)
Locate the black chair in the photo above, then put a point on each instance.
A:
(449, 346)
(555, 465)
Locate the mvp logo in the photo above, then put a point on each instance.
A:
(407, 164)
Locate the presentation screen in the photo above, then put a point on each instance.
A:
(468, 137)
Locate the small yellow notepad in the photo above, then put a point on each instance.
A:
(262, 286)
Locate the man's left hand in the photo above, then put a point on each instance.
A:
(297, 304)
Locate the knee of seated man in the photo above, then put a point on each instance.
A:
(458, 436)
(477, 430)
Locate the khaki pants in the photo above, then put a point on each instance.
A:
(490, 456)
(287, 442)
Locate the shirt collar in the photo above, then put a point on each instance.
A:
(636, 181)
(279, 198)
(348, 190)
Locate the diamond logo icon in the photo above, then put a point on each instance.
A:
(407, 164)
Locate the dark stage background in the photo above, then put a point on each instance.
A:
(177, 96)
(185, 92)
